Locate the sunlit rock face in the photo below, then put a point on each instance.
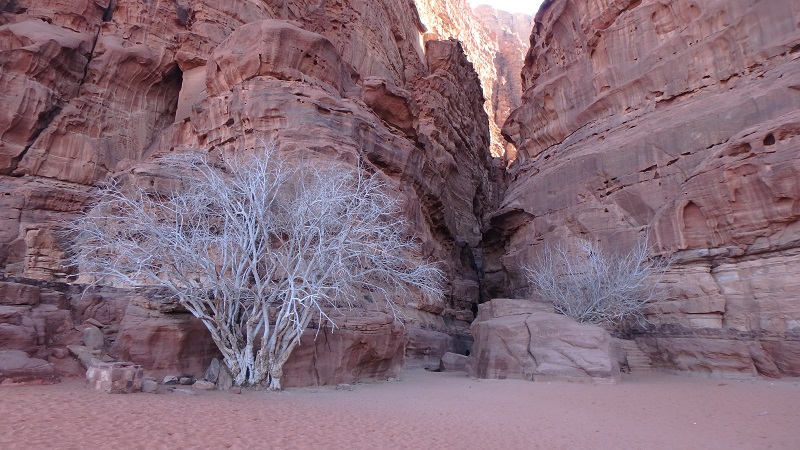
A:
(97, 89)
(495, 42)
(510, 32)
(680, 118)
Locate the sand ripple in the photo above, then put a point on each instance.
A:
(438, 410)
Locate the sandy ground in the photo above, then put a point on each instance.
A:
(423, 410)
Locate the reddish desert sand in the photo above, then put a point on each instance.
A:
(423, 410)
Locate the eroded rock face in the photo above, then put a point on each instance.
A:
(16, 367)
(33, 318)
(44, 319)
(680, 118)
(126, 94)
(424, 348)
(362, 347)
(54, 330)
(518, 339)
(510, 32)
(164, 343)
(495, 42)
(733, 358)
(99, 88)
(278, 49)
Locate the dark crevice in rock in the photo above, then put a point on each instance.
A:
(12, 7)
(43, 122)
(89, 58)
(108, 14)
(168, 89)
(494, 278)
(676, 98)
(183, 14)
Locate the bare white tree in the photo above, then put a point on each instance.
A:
(592, 286)
(255, 247)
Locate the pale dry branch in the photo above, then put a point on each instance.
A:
(256, 247)
(592, 286)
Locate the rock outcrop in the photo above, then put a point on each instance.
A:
(495, 42)
(363, 347)
(41, 342)
(525, 339)
(34, 318)
(680, 118)
(163, 342)
(510, 31)
(16, 367)
(97, 88)
(71, 329)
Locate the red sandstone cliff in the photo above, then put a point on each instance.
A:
(495, 42)
(680, 117)
(510, 32)
(94, 88)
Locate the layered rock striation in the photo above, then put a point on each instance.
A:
(97, 89)
(680, 118)
(495, 42)
(510, 31)
(677, 119)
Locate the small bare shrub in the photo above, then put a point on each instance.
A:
(592, 286)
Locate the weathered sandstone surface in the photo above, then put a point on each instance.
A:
(95, 89)
(495, 42)
(16, 367)
(510, 32)
(525, 339)
(165, 343)
(362, 347)
(680, 118)
(41, 324)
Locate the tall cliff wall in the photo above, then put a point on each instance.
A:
(681, 118)
(97, 88)
(510, 32)
(495, 42)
